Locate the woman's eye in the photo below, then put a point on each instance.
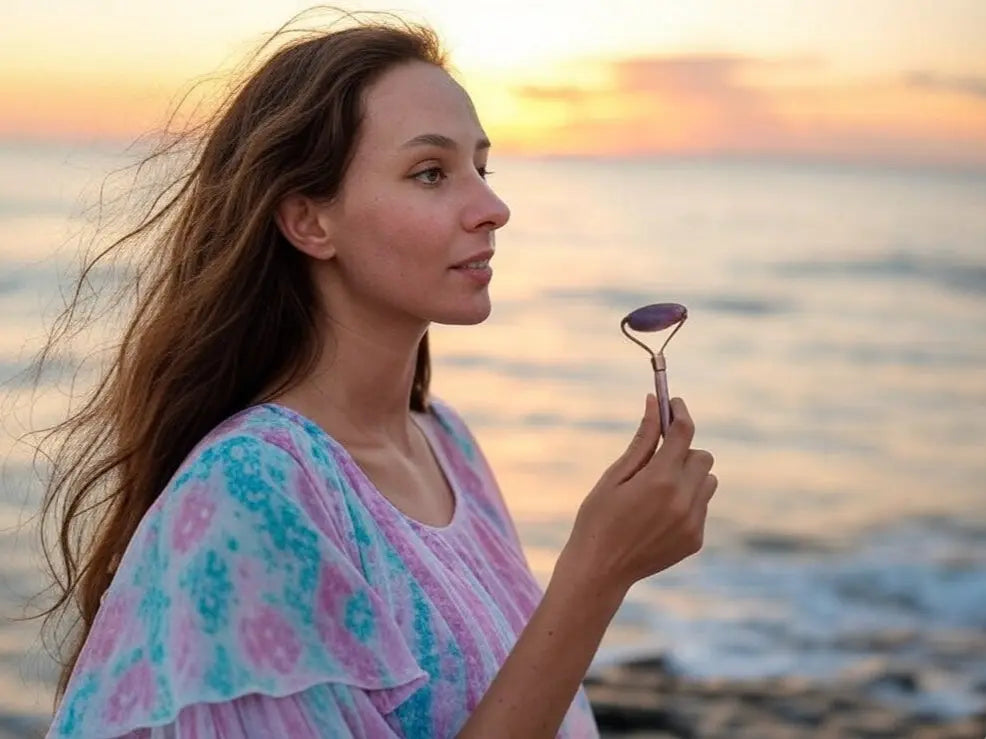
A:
(431, 176)
(483, 172)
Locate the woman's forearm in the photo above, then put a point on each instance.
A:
(537, 683)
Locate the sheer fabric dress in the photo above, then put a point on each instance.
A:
(272, 591)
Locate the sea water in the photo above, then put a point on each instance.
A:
(833, 360)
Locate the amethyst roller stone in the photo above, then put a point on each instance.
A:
(656, 317)
(650, 318)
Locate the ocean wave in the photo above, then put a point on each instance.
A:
(528, 369)
(626, 300)
(944, 272)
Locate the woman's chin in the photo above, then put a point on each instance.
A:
(465, 314)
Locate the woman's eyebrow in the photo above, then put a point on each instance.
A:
(441, 141)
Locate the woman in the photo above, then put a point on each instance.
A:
(293, 539)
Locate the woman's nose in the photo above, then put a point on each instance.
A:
(489, 211)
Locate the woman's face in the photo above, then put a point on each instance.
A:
(415, 205)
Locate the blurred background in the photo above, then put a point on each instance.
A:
(809, 179)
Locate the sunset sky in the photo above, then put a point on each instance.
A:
(900, 81)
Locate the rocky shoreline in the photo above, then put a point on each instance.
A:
(644, 698)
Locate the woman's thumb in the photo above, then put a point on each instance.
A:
(643, 444)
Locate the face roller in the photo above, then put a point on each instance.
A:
(650, 318)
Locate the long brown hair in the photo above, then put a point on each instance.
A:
(223, 312)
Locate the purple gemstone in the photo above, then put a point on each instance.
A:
(656, 317)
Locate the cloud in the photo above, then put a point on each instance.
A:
(967, 85)
(658, 103)
(712, 84)
(695, 75)
(563, 94)
(691, 74)
(746, 105)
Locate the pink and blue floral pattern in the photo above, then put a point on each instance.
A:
(271, 590)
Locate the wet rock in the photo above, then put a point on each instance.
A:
(645, 699)
(965, 729)
(626, 709)
(654, 663)
(805, 711)
(876, 723)
(881, 641)
(723, 717)
(902, 681)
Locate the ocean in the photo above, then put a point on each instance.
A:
(833, 360)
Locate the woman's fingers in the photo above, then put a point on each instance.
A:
(648, 510)
(709, 486)
(642, 446)
(678, 439)
(695, 471)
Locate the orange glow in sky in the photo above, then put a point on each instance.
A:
(893, 80)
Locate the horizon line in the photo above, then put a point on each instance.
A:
(115, 145)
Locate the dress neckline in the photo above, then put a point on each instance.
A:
(424, 422)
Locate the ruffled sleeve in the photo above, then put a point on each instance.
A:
(228, 589)
(324, 710)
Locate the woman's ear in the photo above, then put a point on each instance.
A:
(307, 225)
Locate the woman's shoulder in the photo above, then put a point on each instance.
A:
(454, 424)
(243, 579)
(279, 430)
(260, 444)
(266, 459)
(273, 431)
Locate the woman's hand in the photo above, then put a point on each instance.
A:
(647, 512)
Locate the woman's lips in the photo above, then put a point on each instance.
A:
(481, 274)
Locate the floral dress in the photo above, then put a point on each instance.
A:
(273, 591)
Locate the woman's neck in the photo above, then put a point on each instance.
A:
(360, 389)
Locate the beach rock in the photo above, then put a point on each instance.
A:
(647, 699)
(877, 723)
(902, 681)
(626, 709)
(880, 642)
(806, 711)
